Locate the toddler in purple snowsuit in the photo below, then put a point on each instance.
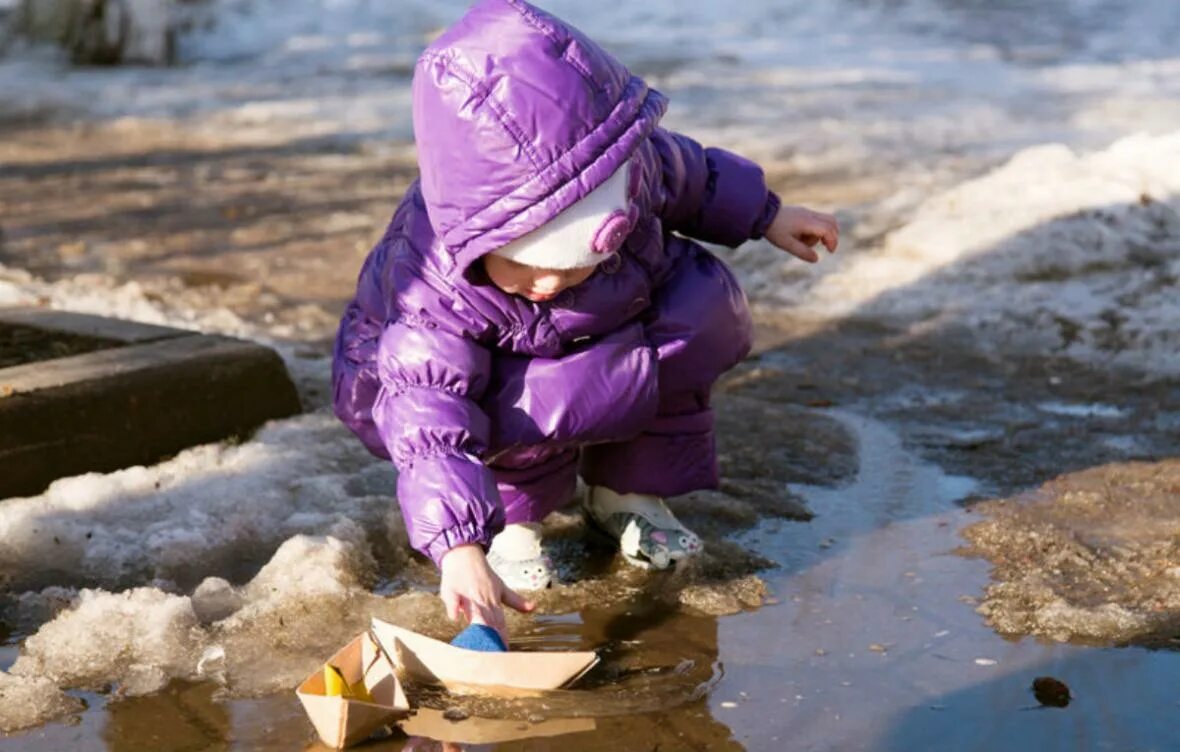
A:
(529, 314)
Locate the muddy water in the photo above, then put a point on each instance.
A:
(881, 648)
(870, 641)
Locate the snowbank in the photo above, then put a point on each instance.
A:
(1075, 253)
(312, 596)
(138, 638)
(214, 510)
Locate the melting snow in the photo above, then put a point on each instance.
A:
(1076, 253)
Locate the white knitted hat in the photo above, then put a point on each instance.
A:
(585, 234)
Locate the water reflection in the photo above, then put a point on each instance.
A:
(658, 667)
(651, 687)
(182, 717)
(431, 730)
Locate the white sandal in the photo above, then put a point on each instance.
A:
(516, 557)
(649, 535)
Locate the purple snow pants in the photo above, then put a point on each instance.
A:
(699, 325)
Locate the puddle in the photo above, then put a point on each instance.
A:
(871, 641)
(876, 644)
(8, 653)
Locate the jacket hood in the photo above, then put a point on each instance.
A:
(517, 116)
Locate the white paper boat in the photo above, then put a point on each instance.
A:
(514, 672)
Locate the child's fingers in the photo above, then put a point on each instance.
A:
(824, 228)
(451, 601)
(797, 249)
(515, 600)
(831, 239)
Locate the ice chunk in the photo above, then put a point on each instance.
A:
(137, 639)
(215, 599)
(212, 664)
(31, 701)
(313, 595)
(309, 599)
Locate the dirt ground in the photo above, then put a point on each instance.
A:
(274, 231)
(1092, 555)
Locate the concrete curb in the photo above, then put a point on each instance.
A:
(160, 392)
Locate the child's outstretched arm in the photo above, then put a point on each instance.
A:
(717, 196)
(711, 194)
(428, 416)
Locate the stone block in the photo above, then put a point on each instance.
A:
(157, 392)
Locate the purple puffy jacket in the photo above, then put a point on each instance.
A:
(517, 116)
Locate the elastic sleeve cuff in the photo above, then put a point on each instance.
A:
(769, 212)
(460, 535)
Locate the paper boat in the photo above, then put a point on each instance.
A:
(457, 669)
(431, 724)
(341, 722)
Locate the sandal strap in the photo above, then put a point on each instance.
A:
(605, 503)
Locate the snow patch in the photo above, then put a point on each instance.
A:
(311, 597)
(1076, 253)
(32, 701)
(157, 302)
(214, 510)
(139, 638)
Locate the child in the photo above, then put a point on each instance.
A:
(529, 313)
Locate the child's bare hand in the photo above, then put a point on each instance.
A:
(470, 587)
(797, 230)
